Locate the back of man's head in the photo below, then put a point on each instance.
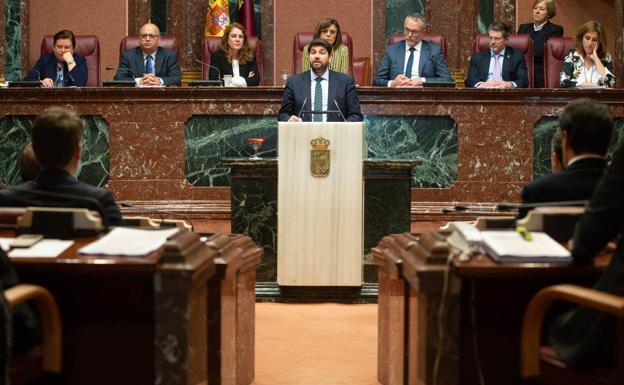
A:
(56, 134)
(587, 126)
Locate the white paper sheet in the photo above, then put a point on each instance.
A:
(128, 242)
(46, 248)
(5, 243)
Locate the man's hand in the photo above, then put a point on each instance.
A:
(150, 80)
(415, 82)
(496, 84)
(47, 82)
(400, 81)
(295, 118)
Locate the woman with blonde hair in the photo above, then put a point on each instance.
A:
(588, 64)
(234, 57)
(329, 30)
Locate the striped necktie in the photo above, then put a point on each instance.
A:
(318, 100)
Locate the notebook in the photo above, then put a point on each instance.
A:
(510, 246)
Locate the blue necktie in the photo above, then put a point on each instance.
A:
(318, 100)
(410, 63)
(149, 64)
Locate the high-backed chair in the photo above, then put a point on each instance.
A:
(303, 38)
(522, 43)
(211, 44)
(166, 41)
(541, 365)
(436, 38)
(554, 52)
(87, 46)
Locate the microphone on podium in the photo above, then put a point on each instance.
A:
(211, 66)
(339, 110)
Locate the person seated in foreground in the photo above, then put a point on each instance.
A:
(148, 64)
(329, 30)
(588, 64)
(234, 58)
(499, 67)
(62, 67)
(586, 127)
(57, 136)
(320, 89)
(584, 337)
(410, 62)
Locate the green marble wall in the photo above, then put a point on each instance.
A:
(13, 37)
(396, 10)
(15, 134)
(208, 139)
(485, 16)
(542, 134)
(432, 139)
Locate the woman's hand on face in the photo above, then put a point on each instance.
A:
(68, 58)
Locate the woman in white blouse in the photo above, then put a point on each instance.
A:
(588, 64)
(234, 57)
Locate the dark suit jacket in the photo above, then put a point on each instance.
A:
(576, 182)
(46, 68)
(514, 68)
(341, 89)
(131, 66)
(79, 194)
(225, 68)
(539, 41)
(584, 336)
(431, 66)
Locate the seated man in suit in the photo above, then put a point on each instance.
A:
(413, 61)
(586, 128)
(57, 136)
(499, 67)
(149, 64)
(320, 89)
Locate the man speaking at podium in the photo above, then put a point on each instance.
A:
(320, 89)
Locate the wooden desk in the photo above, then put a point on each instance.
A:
(156, 319)
(410, 293)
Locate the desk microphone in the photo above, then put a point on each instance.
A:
(211, 66)
(340, 111)
(121, 69)
(160, 213)
(302, 107)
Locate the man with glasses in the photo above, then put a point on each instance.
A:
(413, 61)
(500, 66)
(149, 64)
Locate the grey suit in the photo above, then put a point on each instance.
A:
(431, 66)
(132, 65)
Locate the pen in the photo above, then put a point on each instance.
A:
(526, 235)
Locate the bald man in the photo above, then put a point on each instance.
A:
(148, 64)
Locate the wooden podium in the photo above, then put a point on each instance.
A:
(320, 218)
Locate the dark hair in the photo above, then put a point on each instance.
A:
(321, 42)
(56, 134)
(245, 53)
(500, 27)
(326, 23)
(588, 126)
(556, 145)
(28, 164)
(65, 34)
(591, 26)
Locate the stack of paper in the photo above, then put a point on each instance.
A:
(510, 246)
(129, 242)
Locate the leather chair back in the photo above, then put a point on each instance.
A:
(303, 38)
(211, 45)
(87, 46)
(435, 38)
(521, 42)
(554, 52)
(167, 41)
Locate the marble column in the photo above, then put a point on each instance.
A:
(139, 12)
(2, 38)
(619, 42)
(268, 40)
(505, 11)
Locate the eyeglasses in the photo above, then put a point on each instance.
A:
(408, 31)
(329, 31)
(146, 36)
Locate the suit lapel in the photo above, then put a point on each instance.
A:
(506, 63)
(159, 63)
(139, 64)
(424, 56)
(485, 65)
(331, 91)
(307, 91)
(401, 62)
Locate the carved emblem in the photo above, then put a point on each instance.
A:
(319, 157)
